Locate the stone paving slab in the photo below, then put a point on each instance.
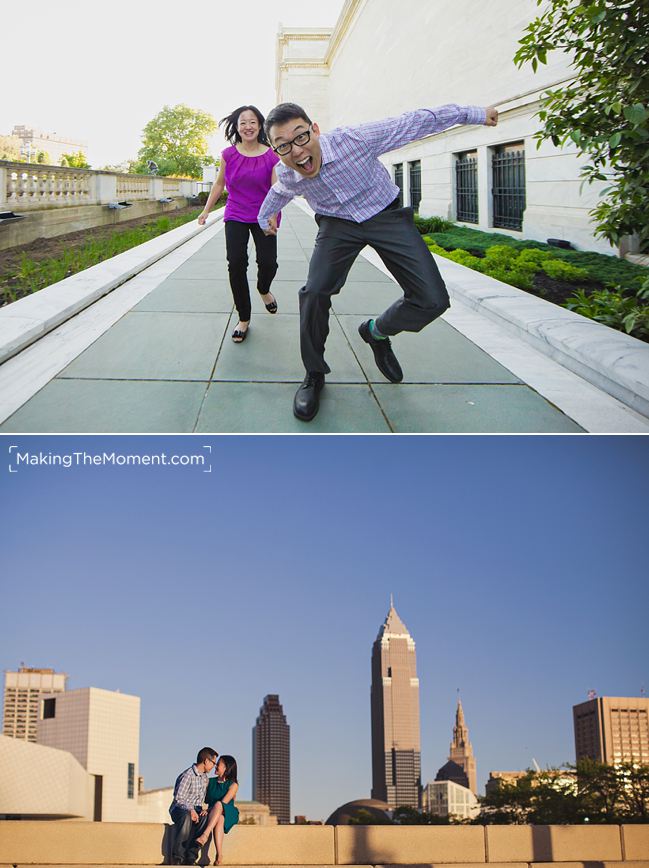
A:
(438, 354)
(190, 296)
(267, 408)
(154, 346)
(480, 409)
(110, 406)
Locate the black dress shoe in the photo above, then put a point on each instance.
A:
(385, 359)
(307, 397)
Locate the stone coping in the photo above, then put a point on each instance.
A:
(80, 843)
(24, 321)
(611, 360)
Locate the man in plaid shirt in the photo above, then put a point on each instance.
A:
(356, 204)
(187, 812)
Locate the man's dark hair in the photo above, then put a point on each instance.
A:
(283, 112)
(230, 122)
(205, 753)
(230, 768)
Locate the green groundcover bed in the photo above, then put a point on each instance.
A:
(612, 291)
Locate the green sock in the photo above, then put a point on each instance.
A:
(374, 331)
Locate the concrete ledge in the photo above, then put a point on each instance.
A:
(553, 843)
(24, 321)
(410, 844)
(635, 841)
(614, 362)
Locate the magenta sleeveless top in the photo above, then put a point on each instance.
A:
(248, 180)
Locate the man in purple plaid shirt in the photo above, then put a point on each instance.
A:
(356, 203)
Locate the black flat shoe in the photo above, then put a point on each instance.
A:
(239, 336)
(307, 397)
(385, 359)
(272, 306)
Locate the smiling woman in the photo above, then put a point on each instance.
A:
(247, 170)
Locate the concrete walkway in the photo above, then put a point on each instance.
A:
(167, 363)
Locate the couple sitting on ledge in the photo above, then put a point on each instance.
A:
(203, 805)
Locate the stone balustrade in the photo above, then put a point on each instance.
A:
(77, 843)
(26, 187)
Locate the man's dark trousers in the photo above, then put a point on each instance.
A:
(394, 236)
(185, 849)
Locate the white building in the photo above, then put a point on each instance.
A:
(22, 699)
(448, 799)
(33, 140)
(101, 729)
(384, 58)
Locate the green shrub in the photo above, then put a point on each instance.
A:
(513, 276)
(464, 258)
(558, 270)
(501, 256)
(534, 256)
(432, 224)
(614, 308)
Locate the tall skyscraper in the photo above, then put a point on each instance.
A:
(461, 749)
(22, 699)
(271, 767)
(396, 750)
(612, 729)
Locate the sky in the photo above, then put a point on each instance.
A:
(99, 72)
(517, 564)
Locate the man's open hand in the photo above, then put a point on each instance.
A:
(492, 116)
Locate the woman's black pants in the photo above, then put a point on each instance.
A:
(236, 246)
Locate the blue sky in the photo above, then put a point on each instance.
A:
(517, 564)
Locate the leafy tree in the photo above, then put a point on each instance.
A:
(75, 161)
(587, 792)
(10, 149)
(604, 111)
(176, 139)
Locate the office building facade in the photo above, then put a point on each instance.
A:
(612, 729)
(271, 759)
(23, 692)
(396, 749)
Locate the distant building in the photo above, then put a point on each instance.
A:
(461, 748)
(271, 767)
(448, 799)
(396, 750)
(498, 778)
(612, 729)
(451, 771)
(33, 141)
(101, 729)
(22, 699)
(375, 811)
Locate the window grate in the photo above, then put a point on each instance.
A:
(414, 175)
(508, 186)
(466, 187)
(398, 180)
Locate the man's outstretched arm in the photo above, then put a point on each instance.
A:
(390, 133)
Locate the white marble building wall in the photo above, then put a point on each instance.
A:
(101, 729)
(390, 58)
(37, 780)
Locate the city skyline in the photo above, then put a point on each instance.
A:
(102, 567)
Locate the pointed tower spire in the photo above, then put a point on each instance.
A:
(461, 748)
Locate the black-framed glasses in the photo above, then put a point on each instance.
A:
(300, 140)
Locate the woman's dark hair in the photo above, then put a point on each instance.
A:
(230, 123)
(283, 112)
(230, 768)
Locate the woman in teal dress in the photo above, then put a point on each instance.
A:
(223, 813)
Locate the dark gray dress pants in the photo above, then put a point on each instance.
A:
(394, 236)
